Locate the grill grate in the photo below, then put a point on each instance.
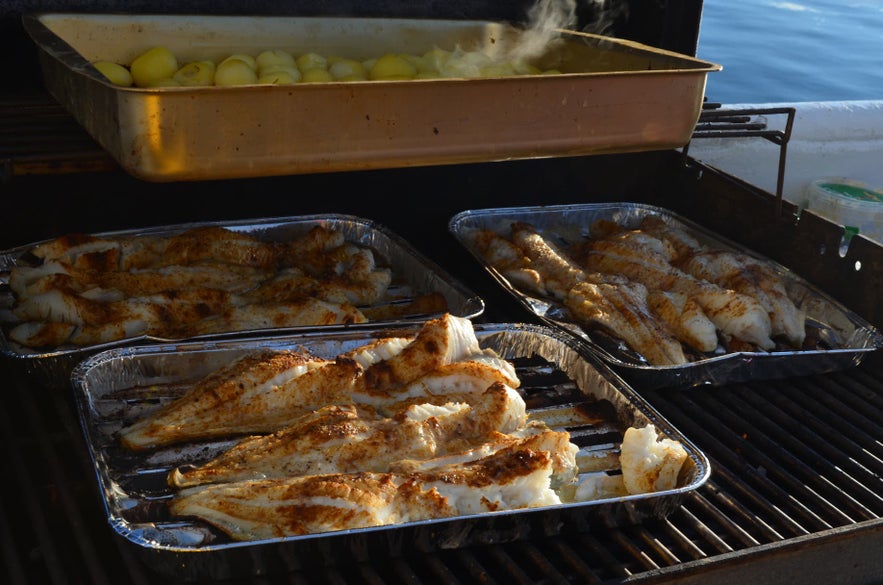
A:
(789, 458)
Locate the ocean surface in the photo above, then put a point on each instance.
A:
(776, 51)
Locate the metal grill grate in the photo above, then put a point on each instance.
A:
(790, 459)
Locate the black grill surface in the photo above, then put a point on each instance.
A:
(797, 463)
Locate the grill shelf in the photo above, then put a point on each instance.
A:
(797, 464)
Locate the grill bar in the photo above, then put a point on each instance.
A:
(49, 506)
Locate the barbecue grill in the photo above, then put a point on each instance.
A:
(797, 463)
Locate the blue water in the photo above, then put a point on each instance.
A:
(793, 51)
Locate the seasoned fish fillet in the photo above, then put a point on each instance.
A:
(30, 281)
(256, 401)
(272, 508)
(734, 314)
(340, 439)
(295, 313)
(756, 279)
(534, 436)
(507, 258)
(173, 286)
(649, 463)
(624, 311)
(559, 273)
(222, 403)
(219, 244)
(685, 318)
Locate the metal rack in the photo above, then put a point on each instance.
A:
(717, 122)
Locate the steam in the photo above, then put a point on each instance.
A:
(544, 19)
(540, 32)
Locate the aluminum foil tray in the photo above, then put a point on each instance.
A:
(413, 275)
(613, 96)
(559, 384)
(836, 337)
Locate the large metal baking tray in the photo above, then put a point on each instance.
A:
(614, 96)
(413, 274)
(559, 384)
(837, 338)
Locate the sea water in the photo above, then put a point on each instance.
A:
(775, 51)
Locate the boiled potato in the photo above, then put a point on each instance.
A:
(114, 72)
(273, 57)
(197, 73)
(153, 65)
(283, 71)
(392, 67)
(316, 75)
(245, 58)
(311, 61)
(280, 76)
(235, 72)
(347, 68)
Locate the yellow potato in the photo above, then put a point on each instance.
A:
(247, 59)
(278, 78)
(155, 64)
(316, 75)
(197, 73)
(347, 68)
(235, 72)
(311, 61)
(391, 67)
(282, 70)
(115, 73)
(273, 57)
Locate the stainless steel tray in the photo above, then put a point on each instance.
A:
(847, 338)
(413, 275)
(559, 383)
(614, 96)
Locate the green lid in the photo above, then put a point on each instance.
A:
(851, 190)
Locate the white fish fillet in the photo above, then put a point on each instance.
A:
(232, 400)
(256, 401)
(649, 463)
(624, 311)
(685, 319)
(340, 439)
(260, 509)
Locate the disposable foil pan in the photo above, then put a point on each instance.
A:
(560, 386)
(837, 338)
(413, 275)
(613, 96)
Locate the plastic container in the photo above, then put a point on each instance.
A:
(852, 204)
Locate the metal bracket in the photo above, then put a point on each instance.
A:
(717, 122)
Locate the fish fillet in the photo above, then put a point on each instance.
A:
(262, 397)
(222, 403)
(340, 439)
(685, 318)
(623, 310)
(272, 508)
